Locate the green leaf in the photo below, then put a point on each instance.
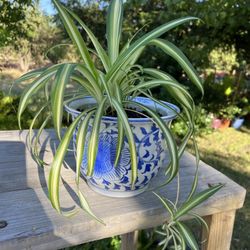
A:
(35, 151)
(85, 206)
(57, 95)
(182, 242)
(120, 141)
(190, 131)
(84, 83)
(196, 175)
(70, 213)
(114, 28)
(106, 87)
(100, 51)
(187, 235)
(94, 83)
(30, 75)
(94, 138)
(33, 88)
(166, 205)
(136, 55)
(200, 220)
(80, 143)
(76, 37)
(183, 144)
(180, 97)
(196, 200)
(33, 123)
(54, 175)
(186, 102)
(161, 103)
(168, 83)
(128, 131)
(120, 138)
(173, 153)
(173, 51)
(124, 57)
(179, 237)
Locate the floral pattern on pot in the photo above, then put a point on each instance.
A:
(151, 152)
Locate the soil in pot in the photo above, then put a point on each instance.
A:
(131, 113)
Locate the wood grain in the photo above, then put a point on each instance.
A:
(220, 231)
(129, 241)
(34, 224)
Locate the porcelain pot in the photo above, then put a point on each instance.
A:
(151, 150)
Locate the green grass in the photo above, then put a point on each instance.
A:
(229, 152)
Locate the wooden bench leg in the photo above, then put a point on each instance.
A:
(129, 241)
(220, 231)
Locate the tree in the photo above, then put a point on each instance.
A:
(37, 33)
(40, 35)
(11, 13)
(223, 24)
(93, 12)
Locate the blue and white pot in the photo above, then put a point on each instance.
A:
(151, 150)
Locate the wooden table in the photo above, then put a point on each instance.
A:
(33, 224)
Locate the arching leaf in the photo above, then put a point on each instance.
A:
(114, 27)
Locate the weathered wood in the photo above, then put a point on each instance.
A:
(129, 241)
(16, 162)
(220, 231)
(34, 224)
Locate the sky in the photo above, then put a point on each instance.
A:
(47, 7)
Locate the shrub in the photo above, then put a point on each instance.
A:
(203, 120)
(8, 113)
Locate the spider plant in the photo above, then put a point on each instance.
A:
(113, 86)
(175, 230)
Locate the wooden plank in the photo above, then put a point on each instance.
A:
(32, 222)
(129, 241)
(220, 231)
(16, 162)
(21, 135)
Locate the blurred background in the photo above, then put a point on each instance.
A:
(32, 36)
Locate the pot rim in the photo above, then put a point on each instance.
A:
(114, 119)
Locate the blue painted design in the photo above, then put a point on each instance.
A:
(147, 143)
(105, 182)
(144, 131)
(151, 151)
(140, 164)
(156, 136)
(147, 168)
(145, 181)
(125, 180)
(117, 187)
(146, 155)
(136, 139)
